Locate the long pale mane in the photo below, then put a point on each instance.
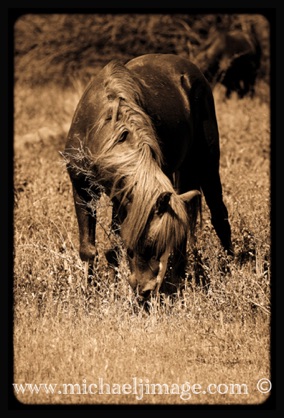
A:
(136, 175)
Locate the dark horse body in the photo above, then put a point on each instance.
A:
(232, 59)
(146, 134)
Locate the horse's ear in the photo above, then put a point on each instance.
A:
(186, 197)
(162, 203)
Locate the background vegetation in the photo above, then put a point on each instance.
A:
(218, 329)
(61, 47)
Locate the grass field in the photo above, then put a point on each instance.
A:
(66, 334)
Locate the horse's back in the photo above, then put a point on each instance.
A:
(167, 81)
(178, 99)
(164, 64)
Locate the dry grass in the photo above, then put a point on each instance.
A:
(64, 333)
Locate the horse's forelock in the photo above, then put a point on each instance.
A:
(168, 230)
(140, 227)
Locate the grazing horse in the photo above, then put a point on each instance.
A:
(145, 133)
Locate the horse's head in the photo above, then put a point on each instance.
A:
(166, 229)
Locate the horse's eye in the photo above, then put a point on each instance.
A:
(122, 137)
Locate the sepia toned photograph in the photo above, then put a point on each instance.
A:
(142, 209)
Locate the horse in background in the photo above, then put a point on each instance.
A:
(145, 133)
(231, 58)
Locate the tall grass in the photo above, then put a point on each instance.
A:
(217, 330)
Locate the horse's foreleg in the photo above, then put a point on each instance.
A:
(87, 234)
(114, 253)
